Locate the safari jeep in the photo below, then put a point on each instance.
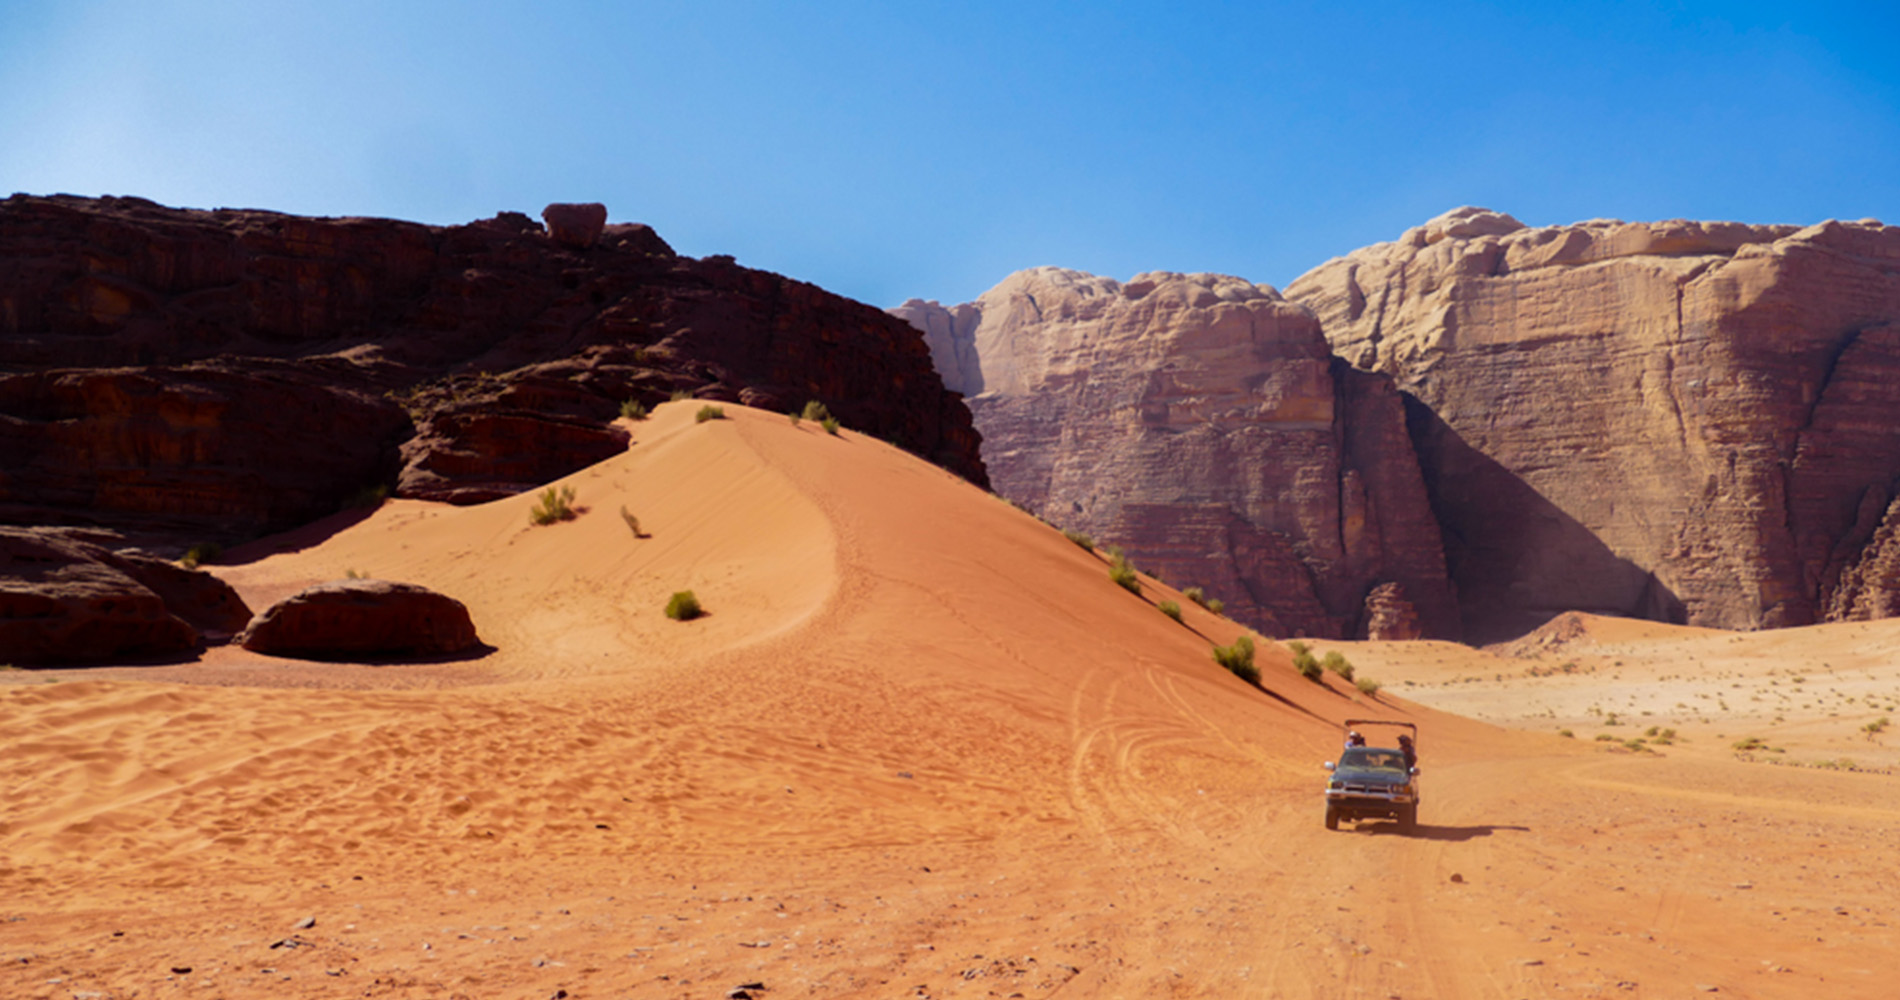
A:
(1373, 782)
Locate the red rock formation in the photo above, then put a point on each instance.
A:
(1869, 586)
(218, 374)
(1681, 421)
(1201, 423)
(575, 226)
(67, 599)
(1389, 616)
(349, 619)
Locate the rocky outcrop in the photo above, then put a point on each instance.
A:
(219, 374)
(1691, 422)
(352, 619)
(66, 598)
(1200, 422)
(577, 226)
(1390, 617)
(1868, 587)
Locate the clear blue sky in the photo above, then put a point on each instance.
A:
(885, 150)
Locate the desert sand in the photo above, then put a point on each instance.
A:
(921, 746)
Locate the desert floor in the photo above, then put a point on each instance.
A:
(921, 747)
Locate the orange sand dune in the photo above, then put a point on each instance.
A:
(921, 747)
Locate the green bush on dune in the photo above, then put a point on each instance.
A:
(1304, 661)
(683, 606)
(553, 506)
(1238, 658)
(1123, 573)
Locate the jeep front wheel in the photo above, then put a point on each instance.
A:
(1332, 816)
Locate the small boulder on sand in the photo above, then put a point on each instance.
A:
(347, 619)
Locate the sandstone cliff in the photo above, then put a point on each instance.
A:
(215, 374)
(1201, 423)
(1685, 421)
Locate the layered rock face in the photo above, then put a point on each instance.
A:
(1683, 421)
(1200, 422)
(221, 374)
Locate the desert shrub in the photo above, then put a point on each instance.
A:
(1238, 659)
(1087, 543)
(1215, 605)
(1336, 662)
(201, 553)
(1196, 594)
(1367, 685)
(1304, 662)
(633, 409)
(1605, 738)
(814, 410)
(355, 574)
(794, 417)
(633, 523)
(830, 424)
(368, 496)
(1123, 573)
(1566, 734)
(683, 607)
(1171, 609)
(1875, 728)
(680, 395)
(553, 506)
(709, 412)
(1750, 743)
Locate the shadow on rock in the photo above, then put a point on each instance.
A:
(1517, 559)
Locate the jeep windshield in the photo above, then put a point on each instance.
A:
(1365, 758)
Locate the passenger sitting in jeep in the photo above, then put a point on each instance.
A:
(1383, 759)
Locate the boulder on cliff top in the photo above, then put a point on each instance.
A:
(354, 619)
(575, 225)
(64, 599)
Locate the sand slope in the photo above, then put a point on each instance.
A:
(921, 746)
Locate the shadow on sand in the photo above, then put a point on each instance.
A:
(1451, 834)
(296, 539)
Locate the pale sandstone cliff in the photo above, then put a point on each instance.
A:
(1676, 420)
(1200, 422)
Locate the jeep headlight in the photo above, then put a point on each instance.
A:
(1335, 784)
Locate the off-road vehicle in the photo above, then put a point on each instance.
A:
(1374, 782)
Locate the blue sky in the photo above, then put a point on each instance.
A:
(885, 150)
